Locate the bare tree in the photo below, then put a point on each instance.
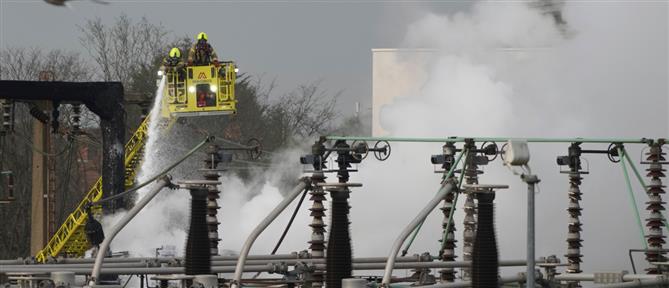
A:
(304, 112)
(27, 63)
(125, 47)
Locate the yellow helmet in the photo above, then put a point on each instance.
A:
(202, 36)
(175, 52)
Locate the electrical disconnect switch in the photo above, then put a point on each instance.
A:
(516, 153)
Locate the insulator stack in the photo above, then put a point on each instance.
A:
(655, 158)
(317, 242)
(75, 118)
(6, 108)
(10, 187)
(213, 194)
(339, 253)
(471, 178)
(574, 227)
(198, 257)
(212, 211)
(448, 252)
(485, 258)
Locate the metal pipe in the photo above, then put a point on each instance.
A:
(436, 264)
(446, 188)
(591, 277)
(319, 263)
(130, 271)
(160, 184)
(236, 282)
(86, 265)
(622, 152)
(504, 279)
(531, 181)
(165, 259)
(251, 260)
(495, 139)
(638, 283)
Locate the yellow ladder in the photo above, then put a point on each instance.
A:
(70, 238)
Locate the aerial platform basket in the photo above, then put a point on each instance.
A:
(201, 90)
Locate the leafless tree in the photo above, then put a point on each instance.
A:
(27, 63)
(125, 47)
(307, 111)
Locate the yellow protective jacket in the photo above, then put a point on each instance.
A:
(167, 65)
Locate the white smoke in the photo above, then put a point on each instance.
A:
(504, 69)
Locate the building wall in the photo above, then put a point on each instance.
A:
(395, 73)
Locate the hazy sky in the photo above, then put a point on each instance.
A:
(294, 42)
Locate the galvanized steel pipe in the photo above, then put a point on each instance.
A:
(319, 263)
(239, 270)
(130, 271)
(504, 279)
(446, 188)
(638, 283)
(591, 277)
(160, 184)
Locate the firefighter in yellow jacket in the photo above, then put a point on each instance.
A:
(202, 53)
(173, 63)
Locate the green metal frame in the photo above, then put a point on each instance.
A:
(623, 156)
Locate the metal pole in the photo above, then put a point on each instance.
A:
(622, 153)
(447, 187)
(236, 282)
(162, 182)
(531, 181)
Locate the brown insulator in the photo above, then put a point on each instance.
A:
(212, 218)
(469, 233)
(317, 242)
(574, 225)
(655, 206)
(7, 110)
(448, 254)
(211, 162)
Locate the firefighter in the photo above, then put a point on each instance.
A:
(174, 63)
(202, 53)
